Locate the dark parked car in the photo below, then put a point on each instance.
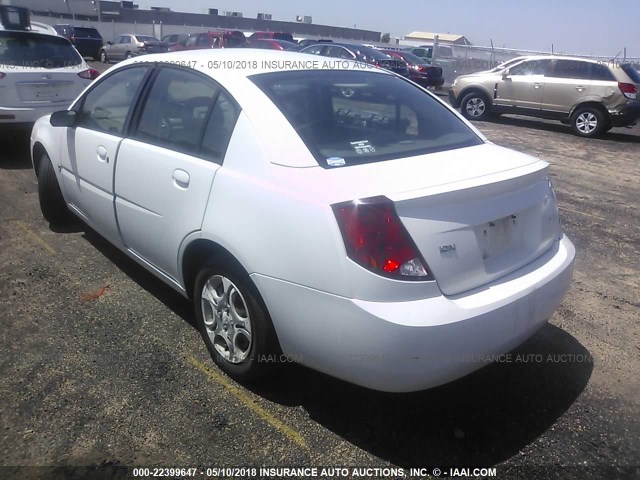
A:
(272, 35)
(273, 45)
(421, 72)
(213, 39)
(87, 40)
(174, 38)
(359, 53)
(305, 42)
(127, 46)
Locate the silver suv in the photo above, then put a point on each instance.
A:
(590, 96)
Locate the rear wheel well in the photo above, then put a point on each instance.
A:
(199, 253)
(597, 105)
(38, 152)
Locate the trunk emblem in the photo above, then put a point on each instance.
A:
(448, 248)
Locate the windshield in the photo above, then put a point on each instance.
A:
(36, 50)
(350, 117)
(506, 64)
(411, 58)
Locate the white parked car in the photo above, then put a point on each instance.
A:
(39, 74)
(377, 237)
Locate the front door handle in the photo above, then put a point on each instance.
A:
(103, 156)
(579, 88)
(181, 179)
(536, 85)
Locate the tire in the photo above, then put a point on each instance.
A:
(475, 106)
(54, 208)
(103, 56)
(588, 122)
(234, 323)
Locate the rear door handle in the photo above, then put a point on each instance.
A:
(103, 155)
(181, 179)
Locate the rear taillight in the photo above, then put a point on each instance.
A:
(629, 90)
(376, 239)
(90, 74)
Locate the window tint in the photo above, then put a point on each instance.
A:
(601, 72)
(36, 50)
(530, 67)
(340, 52)
(107, 105)
(314, 50)
(176, 109)
(351, 117)
(571, 69)
(219, 128)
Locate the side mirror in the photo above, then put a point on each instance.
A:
(64, 118)
(505, 74)
(109, 42)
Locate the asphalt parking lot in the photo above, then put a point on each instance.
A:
(102, 365)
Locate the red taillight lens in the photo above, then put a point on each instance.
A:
(376, 239)
(90, 74)
(628, 89)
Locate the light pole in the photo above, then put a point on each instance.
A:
(97, 7)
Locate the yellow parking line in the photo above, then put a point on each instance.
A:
(582, 213)
(35, 236)
(267, 416)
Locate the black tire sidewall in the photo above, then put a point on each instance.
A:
(52, 204)
(262, 348)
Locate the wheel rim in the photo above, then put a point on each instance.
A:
(103, 57)
(586, 122)
(475, 107)
(226, 319)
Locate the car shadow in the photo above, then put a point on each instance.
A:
(622, 135)
(15, 148)
(480, 420)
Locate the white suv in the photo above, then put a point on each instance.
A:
(39, 74)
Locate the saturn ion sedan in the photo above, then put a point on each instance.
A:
(376, 237)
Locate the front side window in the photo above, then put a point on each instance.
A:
(530, 67)
(176, 110)
(351, 117)
(315, 50)
(106, 106)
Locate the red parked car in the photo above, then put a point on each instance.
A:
(272, 35)
(214, 39)
(421, 72)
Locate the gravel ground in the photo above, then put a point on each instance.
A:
(123, 378)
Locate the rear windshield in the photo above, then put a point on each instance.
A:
(348, 117)
(36, 50)
(86, 33)
(283, 36)
(411, 58)
(629, 69)
(144, 38)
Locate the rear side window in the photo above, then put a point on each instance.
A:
(176, 109)
(219, 128)
(35, 50)
(353, 117)
(601, 72)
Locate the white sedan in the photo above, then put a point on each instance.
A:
(376, 236)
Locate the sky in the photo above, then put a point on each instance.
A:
(572, 26)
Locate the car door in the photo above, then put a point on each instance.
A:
(166, 169)
(566, 84)
(522, 86)
(111, 48)
(88, 156)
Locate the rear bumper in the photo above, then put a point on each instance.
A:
(626, 115)
(414, 345)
